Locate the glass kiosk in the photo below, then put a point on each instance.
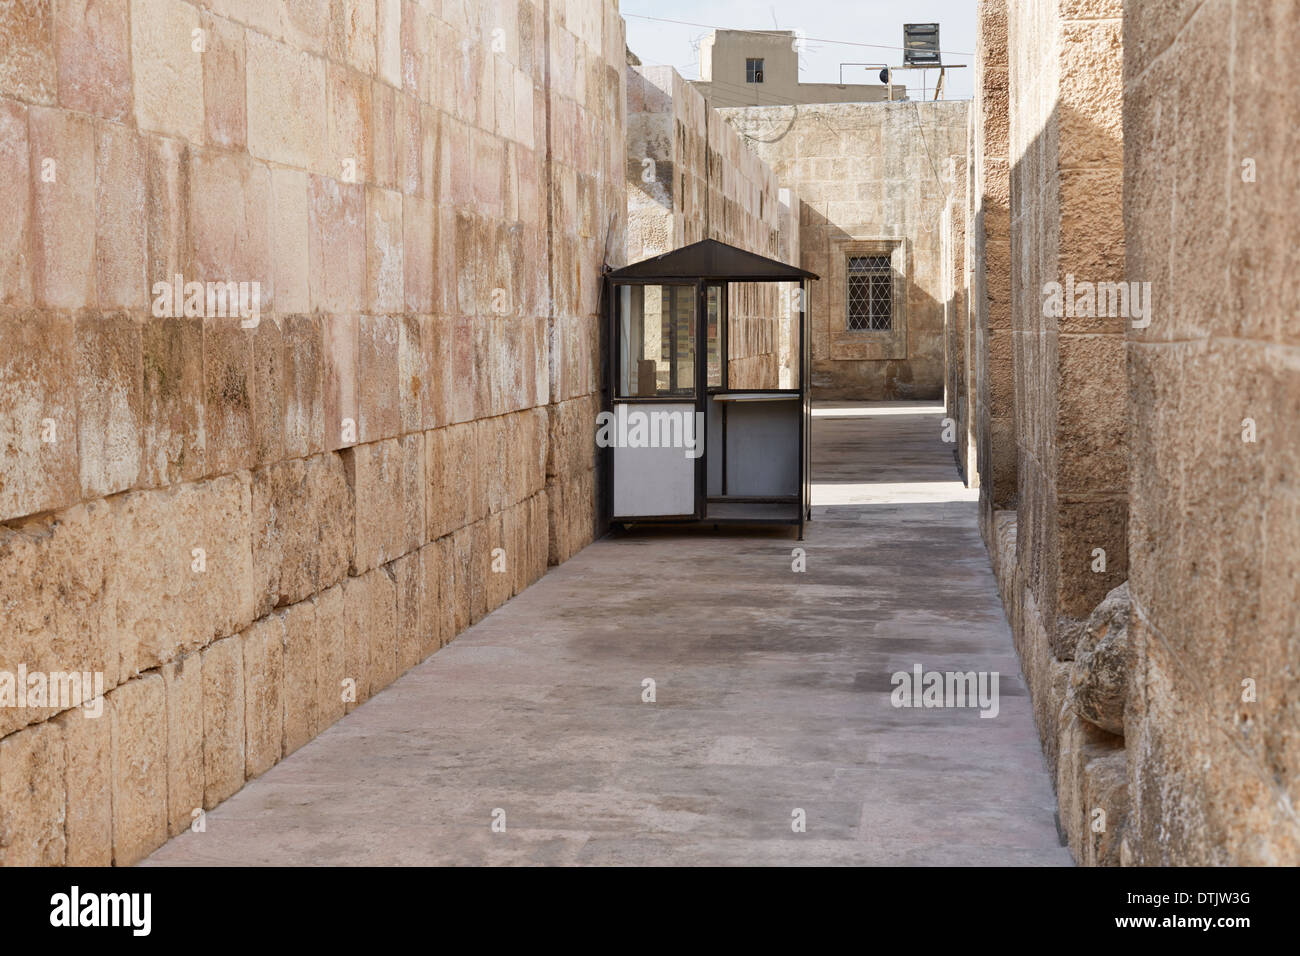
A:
(682, 443)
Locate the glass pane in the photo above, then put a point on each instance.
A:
(656, 341)
(713, 304)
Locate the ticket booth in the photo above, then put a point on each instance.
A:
(699, 426)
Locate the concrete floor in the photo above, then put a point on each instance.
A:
(773, 693)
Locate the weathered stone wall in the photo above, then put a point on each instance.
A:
(1070, 407)
(868, 171)
(229, 522)
(690, 176)
(1214, 537)
(1164, 704)
(992, 383)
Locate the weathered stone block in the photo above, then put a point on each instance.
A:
(337, 245)
(480, 567)
(331, 655)
(227, 396)
(109, 379)
(418, 227)
(451, 479)
(119, 228)
(53, 585)
(224, 84)
(1082, 527)
(269, 376)
(370, 610)
(413, 372)
(302, 646)
(378, 386)
(263, 660)
(286, 105)
(348, 112)
(172, 417)
(183, 682)
(461, 571)
(290, 248)
(27, 62)
(353, 36)
(498, 582)
(182, 570)
(1105, 789)
(339, 360)
(33, 803)
(538, 535)
(38, 413)
(387, 134)
(139, 715)
(302, 529)
(410, 582)
(166, 214)
(376, 477)
(88, 762)
(495, 456)
(168, 70)
(223, 720)
(388, 29)
(432, 612)
(447, 629)
(304, 400)
(414, 497)
(1102, 664)
(230, 210)
(63, 211)
(385, 274)
(16, 199)
(534, 449)
(518, 521)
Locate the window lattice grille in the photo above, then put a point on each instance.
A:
(870, 294)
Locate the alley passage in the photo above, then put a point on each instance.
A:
(772, 696)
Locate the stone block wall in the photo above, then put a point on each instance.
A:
(1214, 535)
(867, 172)
(1165, 439)
(690, 176)
(1070, 402)
(991, 382)
(250, 527)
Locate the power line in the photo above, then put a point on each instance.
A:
(784, 34)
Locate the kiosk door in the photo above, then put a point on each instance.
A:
(656, 433)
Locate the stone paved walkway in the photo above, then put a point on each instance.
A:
(773, 693)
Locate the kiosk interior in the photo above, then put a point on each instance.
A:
(686, 445)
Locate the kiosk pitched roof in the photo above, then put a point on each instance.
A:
(711, 259)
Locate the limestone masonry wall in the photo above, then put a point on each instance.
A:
(991, 380)
(235, 522)
(1070, 401)
(1214, 537)
(866, 172)
(1146, 546)
(690, 176)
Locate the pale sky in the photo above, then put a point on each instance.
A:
(878, 22)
